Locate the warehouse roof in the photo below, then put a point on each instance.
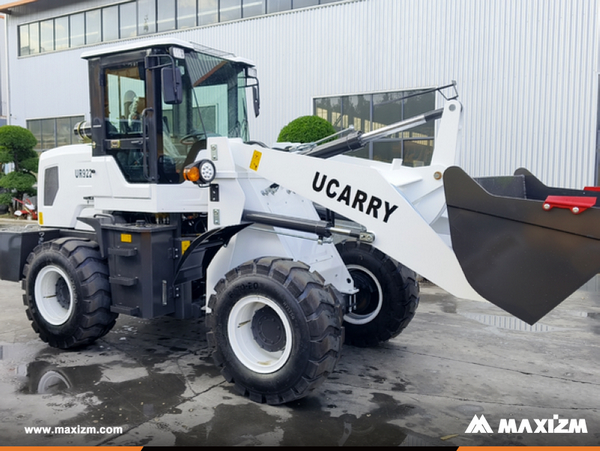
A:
(6, 8)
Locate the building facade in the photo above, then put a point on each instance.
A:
(527, 71)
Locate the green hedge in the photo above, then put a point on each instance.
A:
(306, 129)
(17, 147)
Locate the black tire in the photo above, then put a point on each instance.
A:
(293, 332)
(67, 293)
(387, 299)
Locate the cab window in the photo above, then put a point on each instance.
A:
(125, 100)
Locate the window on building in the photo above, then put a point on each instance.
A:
(77, 31)
(47, 36)
(24, 40)
(61, 33)
(165, 15)
(305, 3)
(368, 112)
(127, 21)
(142, 17)
(208, 12)
(146, 16)
(186, 13)
(275, 6)
(29, 39)
(53, 132)
(110, 23)
(230, 10)
(34, 38)
(252, 8)
(92, 27)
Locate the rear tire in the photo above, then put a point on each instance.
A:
(387, 299)
(275, 328)
(67, 293)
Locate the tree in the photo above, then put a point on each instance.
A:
(306, 129)
(17, 147)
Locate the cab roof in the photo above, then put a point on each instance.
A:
(139, 44)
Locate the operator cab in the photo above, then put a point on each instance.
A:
(155, 103)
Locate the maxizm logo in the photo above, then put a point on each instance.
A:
(554, 425)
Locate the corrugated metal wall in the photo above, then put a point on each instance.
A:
(527, 71)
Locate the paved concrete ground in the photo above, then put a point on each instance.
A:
(154, 379)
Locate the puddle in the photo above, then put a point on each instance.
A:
(307, 423)
(449, 306)
(507, 322)
(112, 403)
(46, 378)
(581, 314)
(110, 383)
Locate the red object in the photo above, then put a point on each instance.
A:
(592, 188)
(28, 209)
(577, 204)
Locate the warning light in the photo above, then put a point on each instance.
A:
(202, 172)
(192, 174)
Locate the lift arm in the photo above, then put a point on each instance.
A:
(362, 194)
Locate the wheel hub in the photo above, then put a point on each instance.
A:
(63, 297)
(268, 330)
(366, 303)
(367, 298)
(53, 294)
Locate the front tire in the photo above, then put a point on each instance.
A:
(275, 329)
(387, 298)
(67, 293)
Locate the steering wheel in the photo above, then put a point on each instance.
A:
(191, 138)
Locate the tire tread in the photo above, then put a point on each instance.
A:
(401, 309)
(323, 312)
(95, 318)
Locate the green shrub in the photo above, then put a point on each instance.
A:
(17, 147)
(306, 129)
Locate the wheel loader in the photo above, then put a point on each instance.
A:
(169, 209)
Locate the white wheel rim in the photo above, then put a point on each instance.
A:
(356, 318)
(47, 296)
(52, 382)
(243, 343)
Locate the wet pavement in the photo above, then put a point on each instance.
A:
(156, 381)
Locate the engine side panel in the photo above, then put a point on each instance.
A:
(65, 178)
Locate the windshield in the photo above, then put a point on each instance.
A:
(214, 101)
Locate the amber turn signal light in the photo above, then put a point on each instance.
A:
(202, 172)
(191, 174)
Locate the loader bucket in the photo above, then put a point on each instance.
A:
(523, 246)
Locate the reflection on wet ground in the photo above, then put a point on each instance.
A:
(156, 380)
(135, 376)
(112, 404)
(507, 322)
(589, 292)
(308, 425)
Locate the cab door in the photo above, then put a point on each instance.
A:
(123, 123)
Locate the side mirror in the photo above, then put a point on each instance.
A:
(256, 100)
(171, 85)
(252, 74)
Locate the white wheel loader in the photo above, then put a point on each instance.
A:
(170, 209)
